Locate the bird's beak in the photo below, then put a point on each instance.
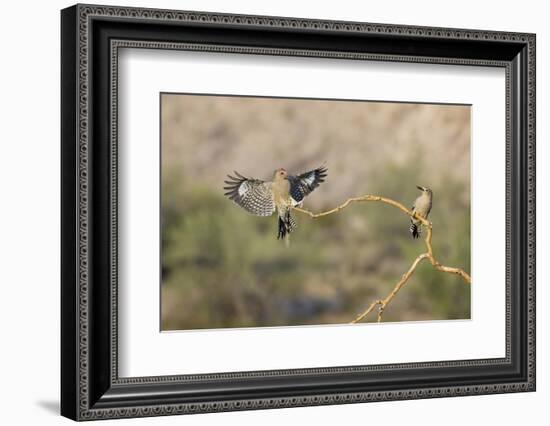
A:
(421, 188)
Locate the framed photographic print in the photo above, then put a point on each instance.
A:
(263, 212)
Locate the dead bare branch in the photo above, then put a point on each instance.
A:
(383, 303)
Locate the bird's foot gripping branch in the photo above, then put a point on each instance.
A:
(382, 304)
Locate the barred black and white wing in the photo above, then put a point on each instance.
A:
(302, 185)
(253, 195)
(414, 229)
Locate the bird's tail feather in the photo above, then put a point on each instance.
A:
(415, 230)
(287, 224)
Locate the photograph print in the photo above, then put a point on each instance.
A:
(300, 212)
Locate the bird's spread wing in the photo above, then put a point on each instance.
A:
(304, 184)
(253, 195)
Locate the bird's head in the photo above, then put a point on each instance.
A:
(280, 174)
(424, 189)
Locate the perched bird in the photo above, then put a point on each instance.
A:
(422, 205)
(285, 191)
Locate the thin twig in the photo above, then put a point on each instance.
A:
(383, 303)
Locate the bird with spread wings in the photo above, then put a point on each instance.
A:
(282, 193)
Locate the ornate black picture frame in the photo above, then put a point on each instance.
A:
(91, 36)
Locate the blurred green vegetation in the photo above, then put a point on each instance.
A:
(222, 267)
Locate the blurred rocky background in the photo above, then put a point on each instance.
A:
(222, 267)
